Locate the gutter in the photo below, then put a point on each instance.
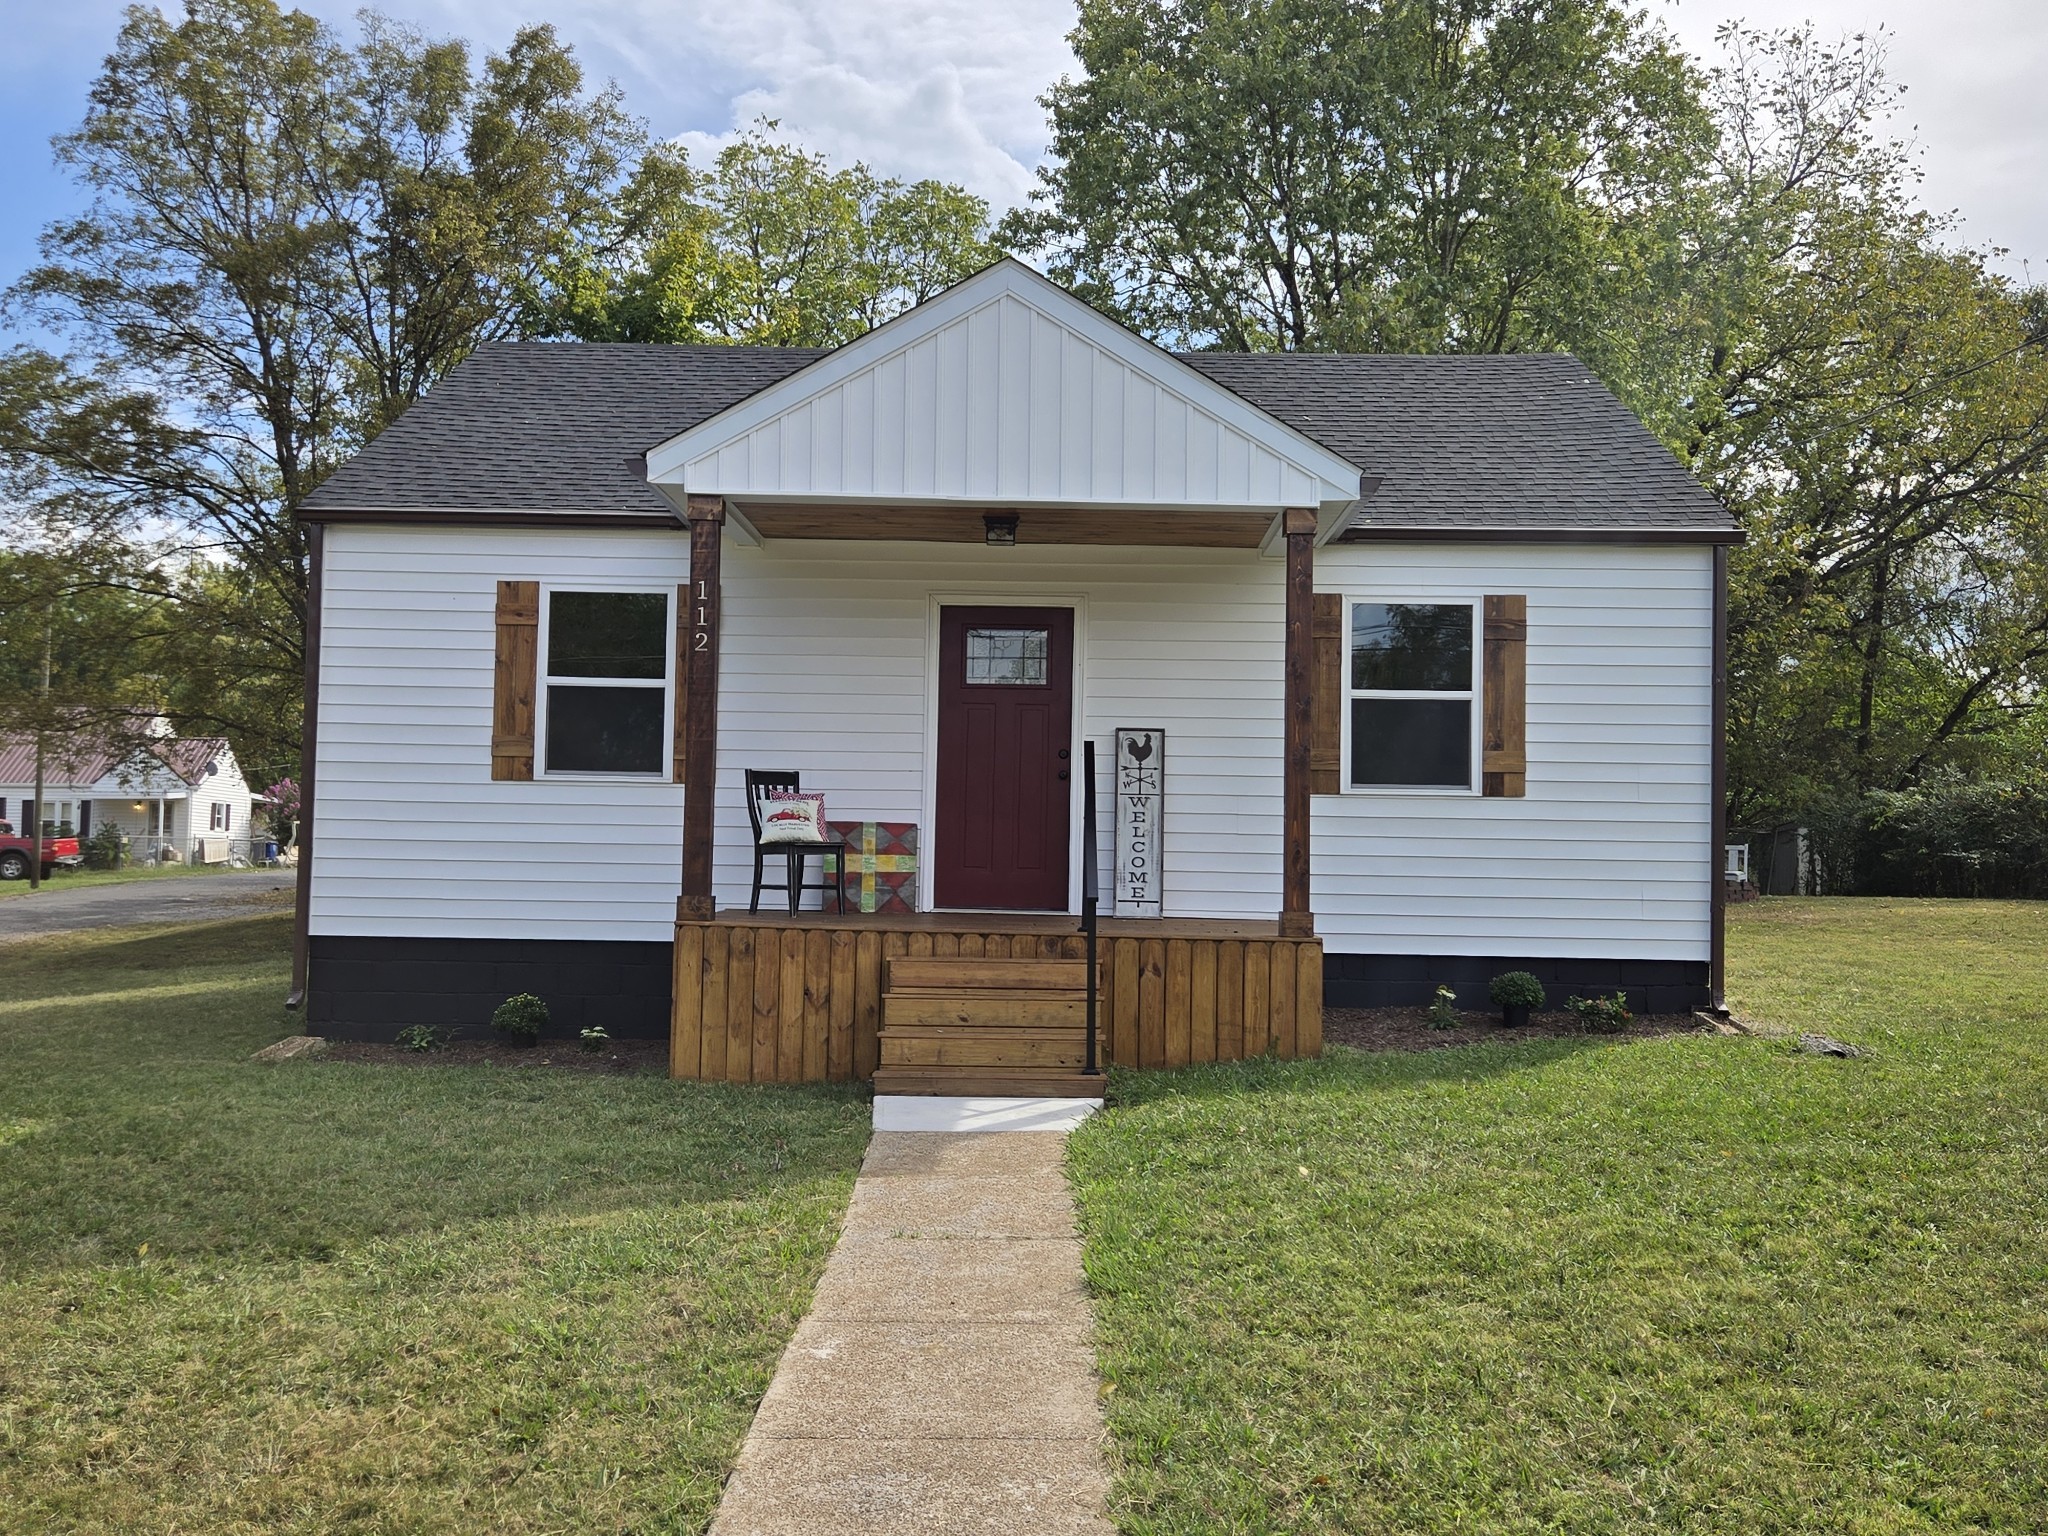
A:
(309, 741)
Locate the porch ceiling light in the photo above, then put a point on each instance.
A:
(1000, 527)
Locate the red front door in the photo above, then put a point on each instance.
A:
(1006, 729)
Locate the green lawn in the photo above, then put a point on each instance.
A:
(328, 1297)
(74, 879)
(1696, 1284)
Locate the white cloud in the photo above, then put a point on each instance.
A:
(916, 88)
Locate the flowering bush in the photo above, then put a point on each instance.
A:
(282, 811)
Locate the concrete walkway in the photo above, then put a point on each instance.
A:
(944, 1381)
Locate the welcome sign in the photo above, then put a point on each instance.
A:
(1140, 806)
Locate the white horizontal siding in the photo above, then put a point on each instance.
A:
(826, 652)
(1608, 855)
(412, 836)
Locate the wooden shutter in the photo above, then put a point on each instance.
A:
(1326, 695)
(513, 685)
(1504, 676)
(682, 676)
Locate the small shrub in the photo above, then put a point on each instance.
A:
(103, 849)
(596, 1038)
(421, 1037)
(1516, 989)
(521, 1019)
(1601, 1015)
(1443, 1010)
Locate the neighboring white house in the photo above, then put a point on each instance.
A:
(1500, 746)
(177, 800)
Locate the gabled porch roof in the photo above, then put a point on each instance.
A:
(1003, 392)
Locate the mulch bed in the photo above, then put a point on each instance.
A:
(620, 1056)
(1408, 1029)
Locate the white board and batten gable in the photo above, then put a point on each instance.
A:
(1005, 391)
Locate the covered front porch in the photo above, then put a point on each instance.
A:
(928, 574)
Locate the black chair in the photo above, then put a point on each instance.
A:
(795, 855)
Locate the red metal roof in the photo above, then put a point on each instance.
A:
(81, 761)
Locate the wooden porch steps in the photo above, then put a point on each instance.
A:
(970, 1025)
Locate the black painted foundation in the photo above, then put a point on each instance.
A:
(371, 988)
(1397, 981)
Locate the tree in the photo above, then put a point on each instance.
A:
(290, 239)
(1875, 405)
(71, 679)
(1395, 175)
(769, 247)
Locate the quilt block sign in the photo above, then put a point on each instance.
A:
(1140, 811)
(881, 864)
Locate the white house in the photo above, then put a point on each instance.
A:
(1430, 648)
(178, 799)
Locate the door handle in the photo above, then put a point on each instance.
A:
(1063, 775)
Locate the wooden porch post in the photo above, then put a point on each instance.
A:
(700, 696)
(1297, 920)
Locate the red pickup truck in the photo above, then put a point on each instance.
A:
(16, 852)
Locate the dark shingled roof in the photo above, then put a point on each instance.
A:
(528, 426)
(1524, 443)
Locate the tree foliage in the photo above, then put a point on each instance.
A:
(1397, 175)
(768, 246)
(1875, 405)
(290, 239)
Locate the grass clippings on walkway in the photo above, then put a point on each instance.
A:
(329, 1297)
(1690, 1284)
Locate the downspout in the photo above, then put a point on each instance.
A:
(1717, 816)
(309, 735)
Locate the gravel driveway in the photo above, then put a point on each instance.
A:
(174, 899)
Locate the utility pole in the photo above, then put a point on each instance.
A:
(35, 833)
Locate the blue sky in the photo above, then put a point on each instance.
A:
(949, 87)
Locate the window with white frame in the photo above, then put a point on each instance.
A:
(1413, 688)
(605, 682)
(219, 818)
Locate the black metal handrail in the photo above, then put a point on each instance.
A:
(1091, 863)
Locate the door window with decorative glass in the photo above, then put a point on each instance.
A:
(1013, 657)
(606, 681)
(1413, 683)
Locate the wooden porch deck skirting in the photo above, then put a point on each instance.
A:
(775, 999)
